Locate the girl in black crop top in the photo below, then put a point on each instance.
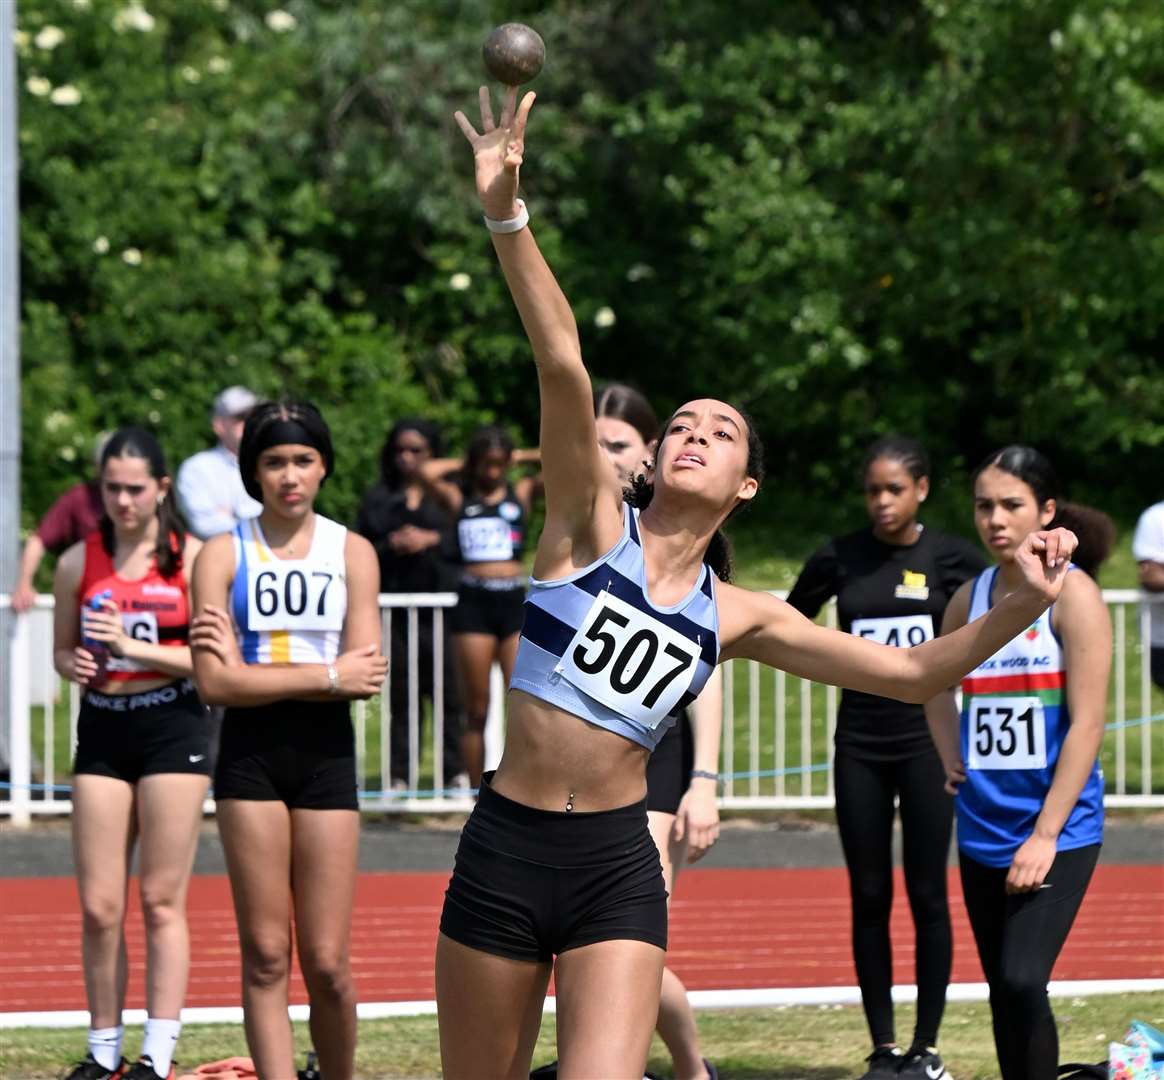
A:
(892, 582)
(491, 515)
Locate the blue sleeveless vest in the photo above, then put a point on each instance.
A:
(593, 644)
(1014, 721)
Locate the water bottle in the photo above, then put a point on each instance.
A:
(98, 649)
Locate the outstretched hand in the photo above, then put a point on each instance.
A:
(497, 151)
(1043, 557)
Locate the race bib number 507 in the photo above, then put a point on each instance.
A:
(630, 661)
(1007, 733)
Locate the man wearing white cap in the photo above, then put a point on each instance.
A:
(210, 489)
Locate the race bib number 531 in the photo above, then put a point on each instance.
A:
(629, 660)
(1007, 733)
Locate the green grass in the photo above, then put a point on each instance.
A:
(825, 1043)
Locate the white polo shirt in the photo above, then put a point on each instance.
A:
(1148, 546)
(211, 493)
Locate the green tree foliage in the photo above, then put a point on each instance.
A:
(937, 217)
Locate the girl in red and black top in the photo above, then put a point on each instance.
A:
(142, 764)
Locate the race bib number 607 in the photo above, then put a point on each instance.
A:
(1007, 733)
(282, 596)
(629, 660)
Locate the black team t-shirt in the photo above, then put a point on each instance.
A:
(894, 595)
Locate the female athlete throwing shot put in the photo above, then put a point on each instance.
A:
(624, 623)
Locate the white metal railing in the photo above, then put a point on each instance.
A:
(778, 729)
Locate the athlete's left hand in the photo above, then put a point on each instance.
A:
(1043, 558)
(212, 631)
(697, 819)
(105, 626)
(1031, 864)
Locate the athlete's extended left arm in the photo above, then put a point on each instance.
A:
(760, 627)
(1084, 626)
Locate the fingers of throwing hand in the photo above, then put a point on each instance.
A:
(487, 122)
(508, 106)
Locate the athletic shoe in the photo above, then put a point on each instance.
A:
(923, 1063)
(311, 1070)
(143, 1069)
(712, 1073)
(90, 1069)
(884, 1062)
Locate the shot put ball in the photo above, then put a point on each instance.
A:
(514, 53)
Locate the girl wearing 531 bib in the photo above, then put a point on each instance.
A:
(1022, 756)
(143, 745)
(286, 636)
(625, 620)
(892, 582)
(492, 522)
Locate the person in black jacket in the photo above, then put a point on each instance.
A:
(414, 540)
(892, 581)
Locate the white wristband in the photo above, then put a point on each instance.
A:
(510, 225)
(332, 679)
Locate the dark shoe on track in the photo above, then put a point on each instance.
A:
(89, 1069)
(311, 1070)
(884, 1063)
(143, 1069)
(923, 1063)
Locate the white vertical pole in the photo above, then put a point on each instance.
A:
(440, 781)
(9, 377)
(754, 728)
(1121, 698)
(413, 701)
(19, 700)
(729, 727)
(1146, 698)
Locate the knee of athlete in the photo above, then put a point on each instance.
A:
(327, 973)
(475, 721)
(102, 913)
(872, 900)
(1025, 994)
(266, 961)
(160, 907)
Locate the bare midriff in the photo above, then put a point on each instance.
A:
(553, 757)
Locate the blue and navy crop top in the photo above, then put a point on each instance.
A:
(594, 644)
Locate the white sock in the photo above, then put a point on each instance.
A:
(161, 1036)
(105, 1046)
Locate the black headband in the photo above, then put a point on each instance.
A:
(286, 433)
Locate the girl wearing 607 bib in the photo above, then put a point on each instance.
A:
(1021, 757)
(287, 634)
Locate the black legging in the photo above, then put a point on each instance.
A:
(865, 792)
(1019, 938)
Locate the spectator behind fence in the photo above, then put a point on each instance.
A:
(210, 489)
(71, 518)
(1148, 551)
(414, 540)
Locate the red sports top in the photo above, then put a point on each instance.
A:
(153, 608)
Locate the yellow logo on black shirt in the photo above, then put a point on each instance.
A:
(913, 586)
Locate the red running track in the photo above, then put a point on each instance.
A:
(730, 929)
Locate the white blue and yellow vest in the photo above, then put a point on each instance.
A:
(289, 610)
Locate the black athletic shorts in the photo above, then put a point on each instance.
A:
(302, 753)
(529, 884)
(497, 609)
(128, 736)
(669, 767)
